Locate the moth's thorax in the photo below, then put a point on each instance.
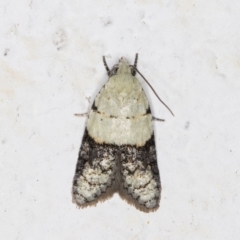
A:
(122, 96)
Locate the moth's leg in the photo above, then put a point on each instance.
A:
(81, 114)
(106, 66)
(158, 119)
(135, 65)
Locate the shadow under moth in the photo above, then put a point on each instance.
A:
(118, 151)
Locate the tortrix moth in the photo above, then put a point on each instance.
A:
(118, 147)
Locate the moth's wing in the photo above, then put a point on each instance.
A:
(140, 179)
(94, 178)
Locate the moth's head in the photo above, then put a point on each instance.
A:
(121, 68)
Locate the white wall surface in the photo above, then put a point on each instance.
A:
(51, 67)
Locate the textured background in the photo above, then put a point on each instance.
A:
(51, 67)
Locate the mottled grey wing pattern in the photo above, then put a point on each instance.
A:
(103, 169)
(94, 178)
(140, 185)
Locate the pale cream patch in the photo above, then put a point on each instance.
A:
(122, 96)
(119, 131)
(122, 106)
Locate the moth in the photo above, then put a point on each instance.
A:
(118, 152)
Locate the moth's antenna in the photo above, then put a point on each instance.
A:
(136, 60)
(135, 65)
(152, 88)
(106, 66)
